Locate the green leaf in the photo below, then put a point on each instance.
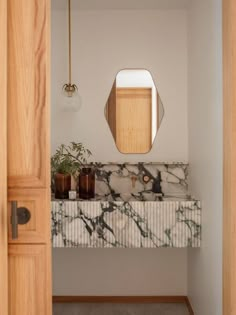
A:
(69, 159)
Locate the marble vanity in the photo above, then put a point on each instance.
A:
(126, 213)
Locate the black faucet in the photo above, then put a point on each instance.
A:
(156, 185)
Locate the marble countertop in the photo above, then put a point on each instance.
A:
(144, 196)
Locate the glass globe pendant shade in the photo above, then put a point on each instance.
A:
(71, 100)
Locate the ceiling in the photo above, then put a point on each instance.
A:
(122, 4)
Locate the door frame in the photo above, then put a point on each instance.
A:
(3, 160)
(229, 138)
(229, 151)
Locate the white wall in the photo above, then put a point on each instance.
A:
(134, 78)
(123, 4)
(205, 152)
(119, 272)
(104, 43)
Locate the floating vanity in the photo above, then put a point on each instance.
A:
(126, 213)
(131, 224)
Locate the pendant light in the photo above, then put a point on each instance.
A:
(71, 98)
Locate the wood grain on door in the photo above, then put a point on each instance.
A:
(28, 155)
(3, 160)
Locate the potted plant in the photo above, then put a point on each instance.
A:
(68, 160)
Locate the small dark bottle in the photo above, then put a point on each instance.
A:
(87, 183)
(62, 186)
(156, 185)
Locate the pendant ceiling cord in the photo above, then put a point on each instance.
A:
(72, 100)
(69, 28)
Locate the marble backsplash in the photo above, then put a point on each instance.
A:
(141, 181)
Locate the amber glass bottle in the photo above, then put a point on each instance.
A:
(62, 186)
(87, 183)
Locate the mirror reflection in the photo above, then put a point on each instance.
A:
(134, 111)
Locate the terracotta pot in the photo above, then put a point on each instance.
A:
(62, 186)
(87, 183)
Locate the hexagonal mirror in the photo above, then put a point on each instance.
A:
(134, 111)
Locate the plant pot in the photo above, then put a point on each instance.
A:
(87, 183)
(62, 186)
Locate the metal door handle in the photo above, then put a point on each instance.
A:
(18, 216)
(14, 220)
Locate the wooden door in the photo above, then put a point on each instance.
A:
(3, 160)
(134, 120)
(28, 170)
(229, 215)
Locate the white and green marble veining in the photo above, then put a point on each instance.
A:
(134, 224)
(125, 182)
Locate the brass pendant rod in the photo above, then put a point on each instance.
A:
(69, 28)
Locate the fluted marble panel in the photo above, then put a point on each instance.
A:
(133, 224)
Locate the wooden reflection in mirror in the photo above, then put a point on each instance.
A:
(134, 111)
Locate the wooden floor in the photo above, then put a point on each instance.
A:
(130, 305)
(120, 309)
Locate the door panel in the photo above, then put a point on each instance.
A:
(29, 256)
(229, 215)
(37, 229)
(28, 92)
(134, 119)
(27, 280)
(3, 158)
